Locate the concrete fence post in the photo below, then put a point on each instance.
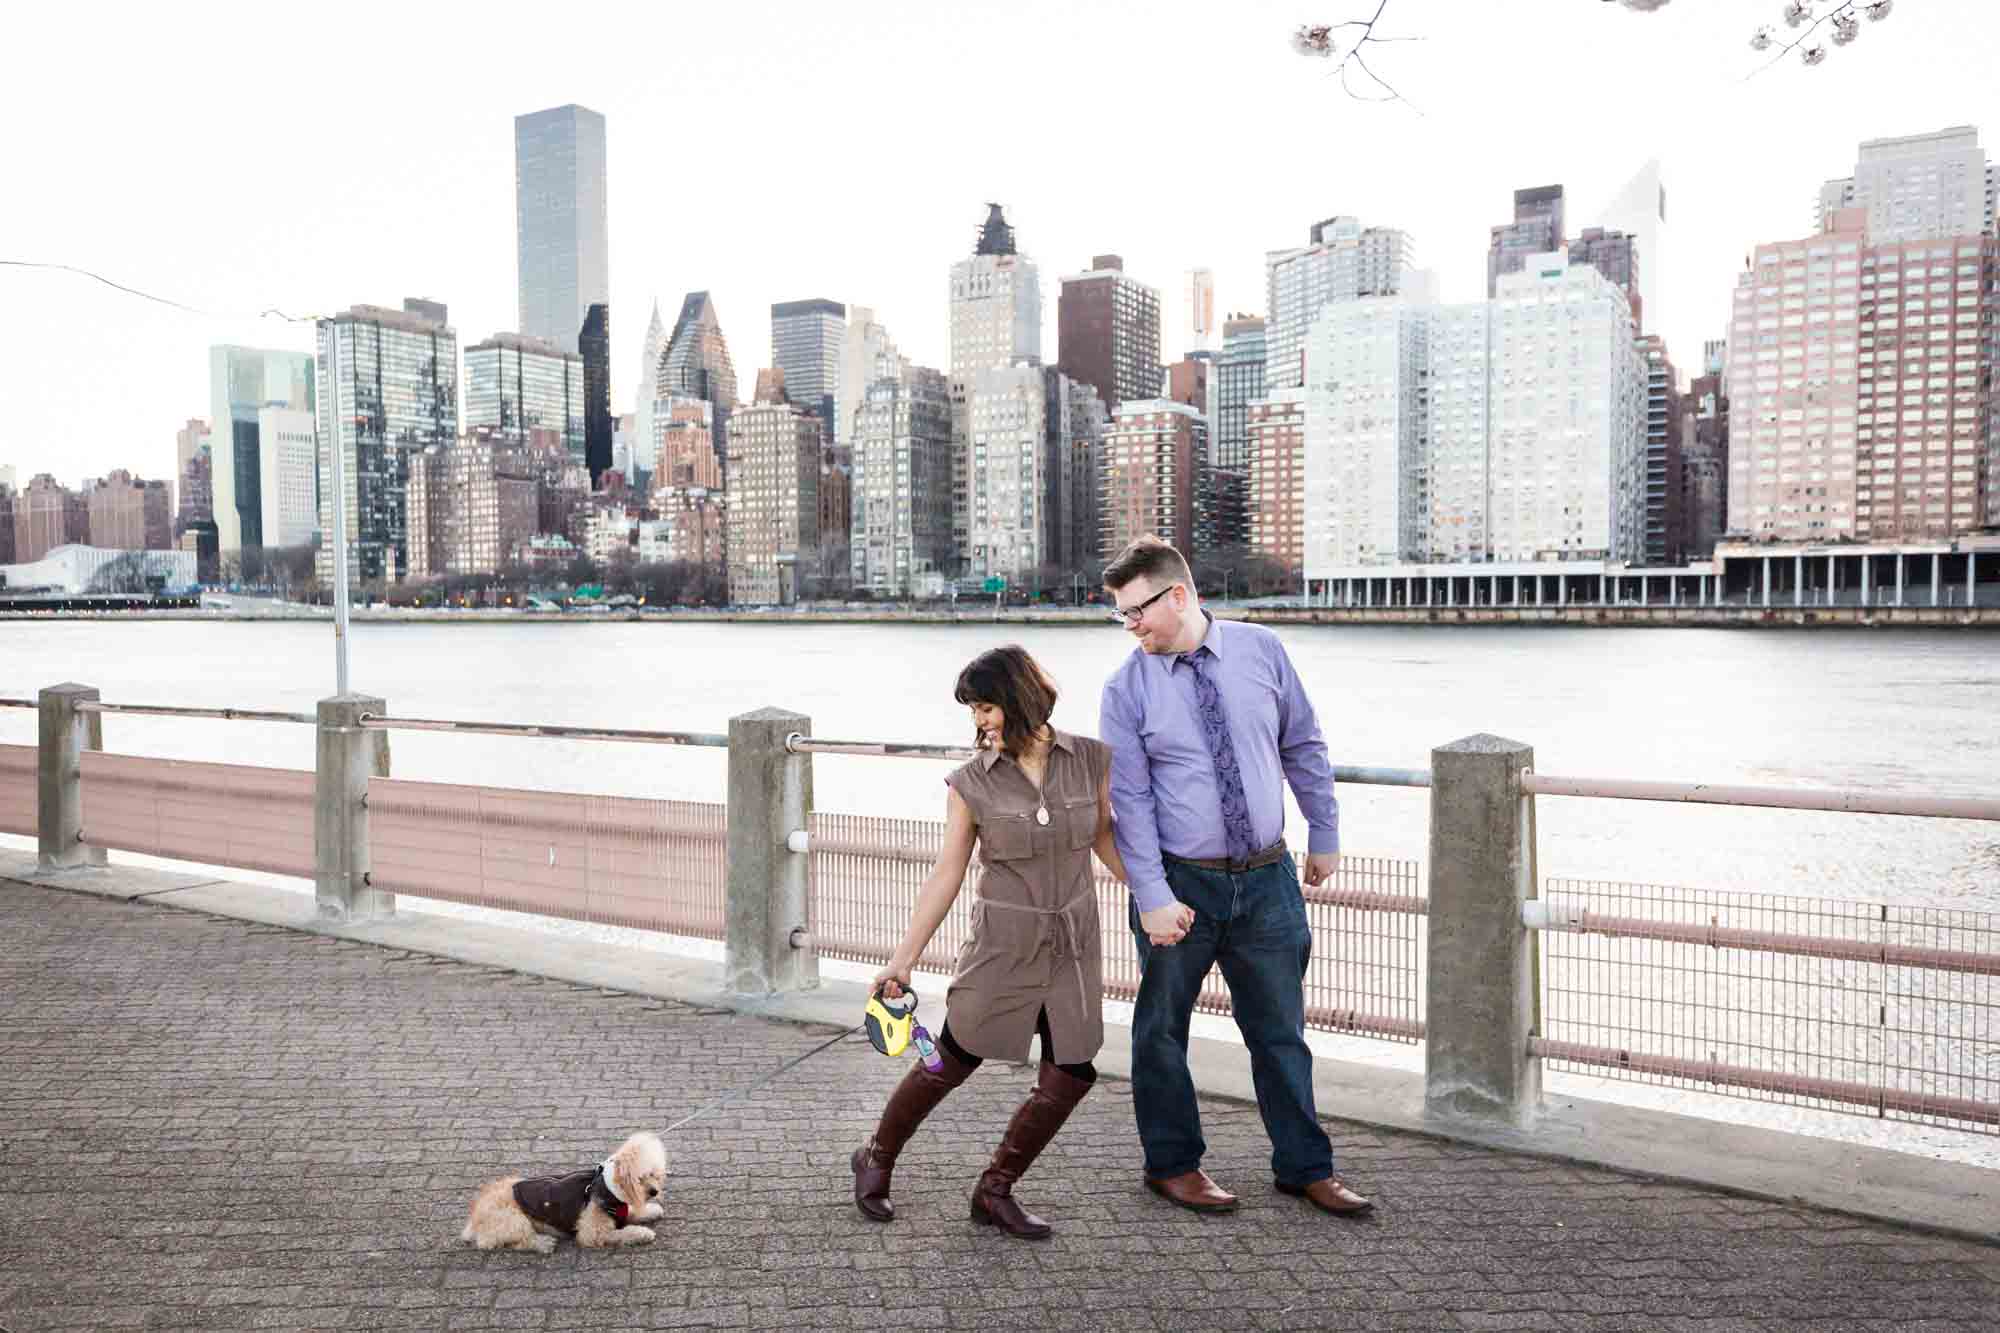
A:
(1480, 997)
(348, 757)
(766, 946)
(64, 735)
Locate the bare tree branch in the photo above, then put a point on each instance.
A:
(1319, 39)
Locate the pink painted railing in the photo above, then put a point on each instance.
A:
(215, 814)
(619, 861)
(17, 790)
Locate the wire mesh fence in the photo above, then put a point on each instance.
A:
(1365, 978)
(1855, 1007)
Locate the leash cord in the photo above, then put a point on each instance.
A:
(734, 1093)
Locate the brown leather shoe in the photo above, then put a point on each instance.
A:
(1329, 1196)
(1194, 1191)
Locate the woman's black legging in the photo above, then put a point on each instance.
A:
(1085, 1071)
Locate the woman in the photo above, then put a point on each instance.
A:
(1038, 802)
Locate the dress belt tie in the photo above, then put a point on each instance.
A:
(1059, 930)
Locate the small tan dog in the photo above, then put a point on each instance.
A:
(598, 1206)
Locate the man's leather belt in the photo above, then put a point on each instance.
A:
(1256, 861)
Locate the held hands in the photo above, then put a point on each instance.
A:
(1167, 926)
(1322, 867)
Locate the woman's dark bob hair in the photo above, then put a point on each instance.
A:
(1014, 683)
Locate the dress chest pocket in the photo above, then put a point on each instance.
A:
(1006, 837)
(1080, 817)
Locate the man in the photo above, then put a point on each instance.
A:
(1206, 721)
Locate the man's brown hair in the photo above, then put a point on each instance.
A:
(1150, 558)
(1014, 683)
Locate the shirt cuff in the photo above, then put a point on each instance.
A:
(1153, 895)
(1322, 840)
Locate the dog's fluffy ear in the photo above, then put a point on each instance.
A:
(635, 1157)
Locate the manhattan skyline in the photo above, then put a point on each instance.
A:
(1263, 145)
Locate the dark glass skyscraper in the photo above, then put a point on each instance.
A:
(594, 342)
(806, 341)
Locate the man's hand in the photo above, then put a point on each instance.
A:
(1322, 866)
(1167, 926)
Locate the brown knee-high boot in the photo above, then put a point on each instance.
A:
(914, 1098)
(1055, 1095)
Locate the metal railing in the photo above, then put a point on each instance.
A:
(1861, 1008)
(1771, 798)
(545, 731)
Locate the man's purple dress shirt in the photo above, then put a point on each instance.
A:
(1163, 788)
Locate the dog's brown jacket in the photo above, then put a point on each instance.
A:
(558, 1201)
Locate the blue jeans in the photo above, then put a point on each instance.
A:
(1253, 926)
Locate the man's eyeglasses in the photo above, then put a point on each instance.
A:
(1129, 615)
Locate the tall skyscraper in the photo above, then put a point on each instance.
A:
(1341, 261)
(1155, 455)
(1537, 229)
(806, 342)
(197, 492)
(996, 322)
(1639, 210)
(243, 381)
(1567, 451)
(1867, 415)
(900, 544)
(127, 514)
(649, 375)
(189, 440)
(288, 446)
(1919, 187)
(996, 302)
(1705, 457)
(1108, 332)
(387, 388)
(1201, 307)
(1365, 467)
(867, 353)
(773, 485)
(1509, 430)
(696, 364)
(560, 221)
(1277, 454)
(1617, 256)
(521, 390)
(1030, 428)
(1666, 531)
(1236, 382)
(595, 347)
(48, 515)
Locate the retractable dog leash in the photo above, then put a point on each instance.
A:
(891, 1026)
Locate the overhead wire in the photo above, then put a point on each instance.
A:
(269, 312)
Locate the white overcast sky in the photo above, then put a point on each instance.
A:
(242, 156)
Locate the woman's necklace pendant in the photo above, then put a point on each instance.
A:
(1041, 814)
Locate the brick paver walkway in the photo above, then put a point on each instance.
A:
(206, 1124)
